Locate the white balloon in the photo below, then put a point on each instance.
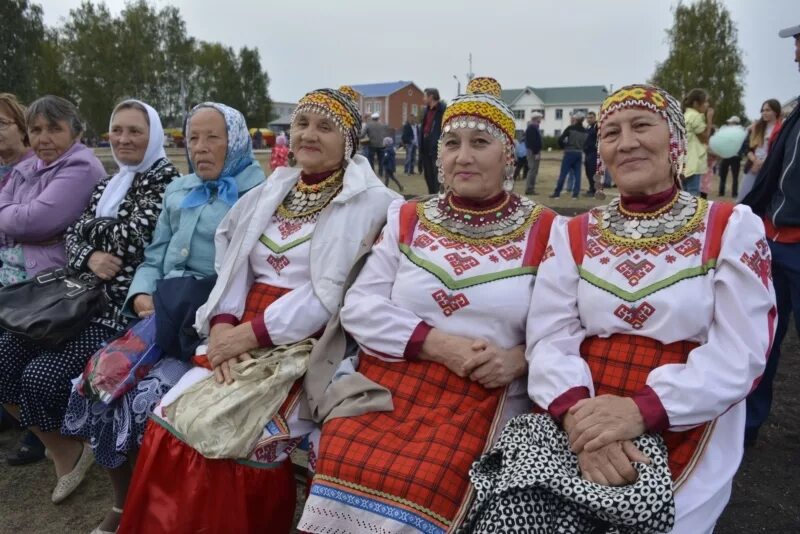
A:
(727, 141)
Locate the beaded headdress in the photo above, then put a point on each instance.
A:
(340, 107)
(658, 101)
(482, 108)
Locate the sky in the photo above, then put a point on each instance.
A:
(541, 43)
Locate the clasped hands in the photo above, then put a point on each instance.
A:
(600, 431)
(227, 345)
(479, 360)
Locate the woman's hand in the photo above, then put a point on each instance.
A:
(449, 350)
(143, 305)
(223, 374)
(104, 265)
(611, 465)
(494, 366)
(228, 341)
(757, 164)
(600, 421)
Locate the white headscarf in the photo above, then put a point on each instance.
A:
(118, 186)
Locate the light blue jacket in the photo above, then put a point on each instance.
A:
(183, 242)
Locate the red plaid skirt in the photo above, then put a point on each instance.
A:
(620, 365)
(177, 489)
(422, 451)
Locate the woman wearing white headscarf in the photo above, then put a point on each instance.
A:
(108, 240)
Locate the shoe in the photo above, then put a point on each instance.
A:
(24, 455)
(97, 530)
(589, 193)
(69, 482)
(553, 196)
(575, 196)
(530, 193)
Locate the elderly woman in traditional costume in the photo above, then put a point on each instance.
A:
(182, 248)
(283, 254)
(439, 313)
(653, 314)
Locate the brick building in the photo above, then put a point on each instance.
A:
(393, 100)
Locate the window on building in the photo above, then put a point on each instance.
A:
(368, 107)
(414, 109)
(581, 110)
(540, 111)
(519, 114)
(405, 111)
(559, 114)
(557, 132)
(378, 107)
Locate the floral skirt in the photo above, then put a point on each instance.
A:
(116, 429)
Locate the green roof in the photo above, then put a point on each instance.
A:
(582, 94)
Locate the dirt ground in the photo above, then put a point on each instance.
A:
(766, 494)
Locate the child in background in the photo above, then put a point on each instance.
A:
(389, 162)
(280, 153)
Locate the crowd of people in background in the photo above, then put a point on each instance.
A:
(402, 343)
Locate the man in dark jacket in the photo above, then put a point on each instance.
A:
(410, 139)
(590, 151)
(429, 137)
(533, 140)
(776, 197)
(572, 141)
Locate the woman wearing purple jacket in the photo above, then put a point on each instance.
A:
(42, 197)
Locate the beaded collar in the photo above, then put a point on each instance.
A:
(305, 201)
(668, 224)
(506, 220)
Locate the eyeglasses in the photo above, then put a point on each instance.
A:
(4, 125)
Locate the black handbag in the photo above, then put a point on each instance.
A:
(52, 307)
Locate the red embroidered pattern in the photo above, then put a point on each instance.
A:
(656, 250)
(423, 241)
(450, 303)
(548, 253)
(287, 228)
(481, 250)
(511, 252)
(634, 272)
(278, 262)
(635, 316)
(760, 265)
(690, 246)
(459, 263)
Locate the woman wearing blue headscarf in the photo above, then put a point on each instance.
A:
(182, 246)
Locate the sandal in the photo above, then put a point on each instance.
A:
(98, 531)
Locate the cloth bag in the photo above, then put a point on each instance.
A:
(52, 307)
(529, 482)
(226, 420)
(116, 368)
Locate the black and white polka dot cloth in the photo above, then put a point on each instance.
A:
(39, 381)
(530, 483)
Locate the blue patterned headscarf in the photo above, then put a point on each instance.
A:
(240, 146)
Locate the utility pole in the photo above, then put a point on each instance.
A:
(458, 90)
(470, 74)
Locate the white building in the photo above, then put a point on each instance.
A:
(556, 104)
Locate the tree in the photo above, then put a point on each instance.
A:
(92, 64)
(217, 76)
(704, 53)
(48, 70)
(257, 104)
(21, 34)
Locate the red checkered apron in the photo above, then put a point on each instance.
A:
(418, 456)
(621, 363)
(176, 489)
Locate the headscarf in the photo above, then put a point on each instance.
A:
(120, 183)
(658, 101)
(338, 106)
(240, 146)
(481, 107)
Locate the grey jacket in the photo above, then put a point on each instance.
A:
(350, 393)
